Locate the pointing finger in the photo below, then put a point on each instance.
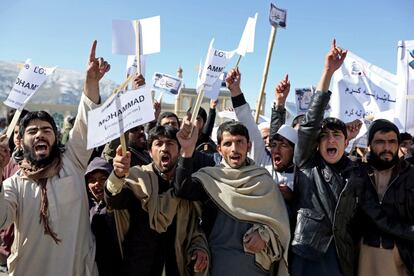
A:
(93, 51)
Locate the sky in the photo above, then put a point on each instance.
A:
(60, 33)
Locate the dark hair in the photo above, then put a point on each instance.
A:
(405, 136)
(166, 115)
(298, 120)
(383, 126)
(37, 115)
(234, 128)
(201, 112)
(334, 124)
(158, 132)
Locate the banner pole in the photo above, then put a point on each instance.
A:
(13, 123)
(238, 61)
(265, 71)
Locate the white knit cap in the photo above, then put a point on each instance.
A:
(289, 133)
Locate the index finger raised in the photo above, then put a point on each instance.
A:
(92, 54)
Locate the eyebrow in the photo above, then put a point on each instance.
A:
(38, 128)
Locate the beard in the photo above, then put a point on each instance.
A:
(41, 161)
(380, 164)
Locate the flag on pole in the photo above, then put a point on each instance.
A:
(277, 16)
(246, 44)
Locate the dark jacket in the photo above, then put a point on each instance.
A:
(389, 221)
(325, 199)
(278, 118)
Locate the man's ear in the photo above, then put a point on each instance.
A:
(249, 146)
(346, 143)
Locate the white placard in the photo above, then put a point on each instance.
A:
(360, 89)
(214, 65)
(30, 78)
(124, 39)
(246, 44)
(303, 98)
(166, 83)
(277, 17)
(405, 91)
(121, 112)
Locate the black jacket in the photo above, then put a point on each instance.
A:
(389, 221)
(325, 199)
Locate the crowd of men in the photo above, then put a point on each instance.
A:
(284, 201)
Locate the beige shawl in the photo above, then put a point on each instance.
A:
(162, 208)
(249, 194)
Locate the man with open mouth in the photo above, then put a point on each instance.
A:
(46, 199)
(244, 215)
(324, 201)
(155, 228)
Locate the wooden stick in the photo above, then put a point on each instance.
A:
(265, 71)
(138, 45)
(238, 61)
(410, 97)
(196, 108)
(13, 123)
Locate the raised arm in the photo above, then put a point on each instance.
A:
(309, 130)
(278, 117)
(243, 113)
(186, 186)
(76, 146)
(209, 125)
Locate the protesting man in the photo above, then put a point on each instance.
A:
(155, 228)
(46, 199)
(324, 200)
(279, 162)
(244, 216)
(387, 246)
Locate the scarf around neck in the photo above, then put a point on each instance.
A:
(40, 176)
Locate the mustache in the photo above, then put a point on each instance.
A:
(386, 152)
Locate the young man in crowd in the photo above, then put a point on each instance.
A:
(158, 230)
(46, 200)
(108, 255)
(406, 147)
(244, 216)
(279, 162)
(324, 200)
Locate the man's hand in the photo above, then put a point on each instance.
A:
(213, 103)
(96, 69)
(286, 192)
(334, 58)
(4, 152)
(353, 129)
(253, 242)
(333, 61)
(233, 82)
(157, 110)
(187, 137)
(138, 81)
(201, 260)
(121, 162)
(282, 91)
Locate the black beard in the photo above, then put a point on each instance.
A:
(379, 164)
(41, 162)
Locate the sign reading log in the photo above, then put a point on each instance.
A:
(121, 112)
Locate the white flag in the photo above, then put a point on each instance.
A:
(214, 65)
(124, 39)
(30, 78)
(405, 94)
(361, 89)
(246, 44)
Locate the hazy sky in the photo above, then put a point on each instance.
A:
(60, 33)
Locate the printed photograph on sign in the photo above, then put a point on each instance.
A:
(303, 99)
(277, 16)
(166, 83)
